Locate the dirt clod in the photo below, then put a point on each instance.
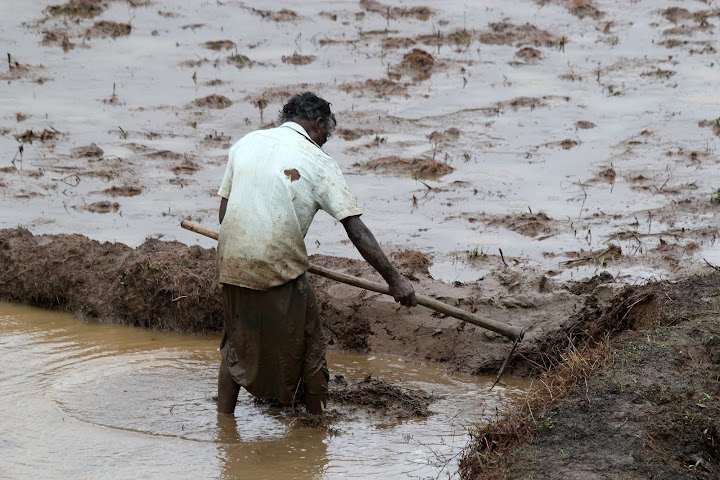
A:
(218, 45)
(213, 101)
(505, 33)
(283, 15)
(297, 59)
(417, 63)
(239, 60)
(80, 8)
(528, 54)
(420, 167)
(388, 399)
(105, 28)
(91, 151)
(103, 207)
(124, 191)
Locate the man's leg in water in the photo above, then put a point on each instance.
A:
(228, 391)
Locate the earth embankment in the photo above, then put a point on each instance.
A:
(168, 285)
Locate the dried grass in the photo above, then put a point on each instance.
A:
(493, 442)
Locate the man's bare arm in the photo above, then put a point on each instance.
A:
(223, 209)
(368, 247)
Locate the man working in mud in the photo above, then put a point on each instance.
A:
(276, 180)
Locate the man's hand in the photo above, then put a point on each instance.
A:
(403, 292)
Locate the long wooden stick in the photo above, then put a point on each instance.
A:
(504, 329)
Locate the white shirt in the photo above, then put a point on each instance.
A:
(275, 182)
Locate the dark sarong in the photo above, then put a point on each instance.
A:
(273, 344)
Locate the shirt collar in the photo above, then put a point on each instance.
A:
(298, 128)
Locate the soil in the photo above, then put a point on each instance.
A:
(297, 59)
(104, 29)
(555, 164)
(639, 399)
(414, 167)
(168, 285)
(213, 101)
(384, 399)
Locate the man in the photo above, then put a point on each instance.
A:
(275, 182)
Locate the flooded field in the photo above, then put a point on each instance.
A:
(550, 130)
(107, 401)
(504, 153)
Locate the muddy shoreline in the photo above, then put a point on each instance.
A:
(551, 164)
(632, 368)
(639, 400)
(168, 285)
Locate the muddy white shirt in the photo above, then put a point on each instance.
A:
(275, 182)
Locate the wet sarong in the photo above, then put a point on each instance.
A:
(273, 344)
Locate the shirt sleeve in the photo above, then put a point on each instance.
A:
(226, 184)
(333, 194)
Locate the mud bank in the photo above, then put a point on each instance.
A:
(638, 401)
(168, 285)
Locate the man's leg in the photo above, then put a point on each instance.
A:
(314, 404)
(315, 372)
(228, 391)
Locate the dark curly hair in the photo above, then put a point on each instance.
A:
(308, 106)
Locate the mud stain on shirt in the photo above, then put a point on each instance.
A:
(292, 174)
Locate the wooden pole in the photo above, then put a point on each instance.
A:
(504, 329)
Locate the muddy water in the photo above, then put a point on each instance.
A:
(106, 401)
(133, 96)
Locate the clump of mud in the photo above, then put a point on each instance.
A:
(213, 101)
(297, 59)
(421, 13)
(528, 54)
(22, 71)
(420, 167)
(349, 135)
(239, 60)
(28, 136)
(103, 207)
(123, 191)
(411, 262)
(528, 224)
(714, 124)
(187, 166)
(579, 8)
(79, 8)
(417, 63)
(504, 33)
(385, 398)
(57, 38)
(379, 88)
(598, 257)
(91, 151)
(105, 28)
(569, 143)
(218, 45)
(283, 15)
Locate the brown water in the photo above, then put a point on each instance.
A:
(107, 401)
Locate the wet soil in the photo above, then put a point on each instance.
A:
(535, 159)
(382, 398)
(637, 399)
(168, 285)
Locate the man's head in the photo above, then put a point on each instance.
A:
(312, 113)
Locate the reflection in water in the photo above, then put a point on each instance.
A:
(108, 401)
(302, 454)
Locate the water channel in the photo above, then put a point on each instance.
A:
(89, 400)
